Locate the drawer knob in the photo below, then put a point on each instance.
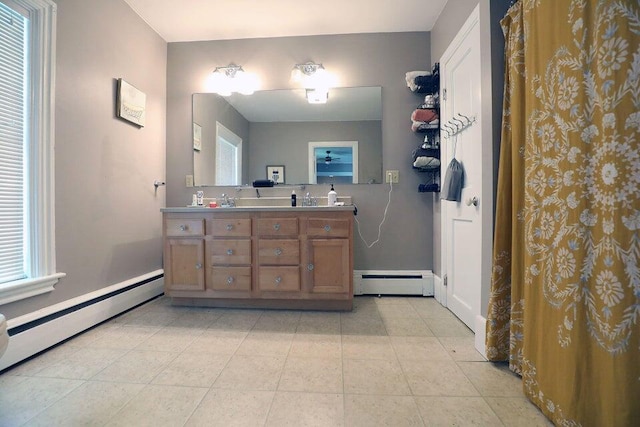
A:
(276, 226)
(229, 227)
(278, 280)
(310, 267)
(278, 251)
(229, 280)
(229, 251)
(183, 227)
(327, 228)
(198, 266)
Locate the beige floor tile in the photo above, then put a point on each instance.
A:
(22, 398)
(374, 410)
(251, 373)
(159, 405)
(437, 379)
(235, 321)
(363, 307)
(319, 323)
(193, 369)
(306, 409)
(136, 367)
(427, 349)
(276, 321)
(404, 311)
(462, 349)
(362, 326)
(391, 300)
(47, 358)
(82, 364)
(217, 342)
(430, 308)
(152, 319)
(197, 318)
(493, 379)
(170, 339)
(126, 337)
(88, 337)
(406, 327)
(265, 344)
(367, 347)
(93, 403)
(456, 411)
(448, 327)
(319, 375)
(374, 377)
(518, 412)
(313, 345)
(232, 408)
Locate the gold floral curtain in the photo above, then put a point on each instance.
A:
(565, 299)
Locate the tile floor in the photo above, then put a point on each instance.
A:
(391, 362)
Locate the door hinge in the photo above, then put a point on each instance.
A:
(444, 94)
(444, 281)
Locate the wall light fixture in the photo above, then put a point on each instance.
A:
(232, 78)
(312, 76)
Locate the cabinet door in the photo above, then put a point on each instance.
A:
(329, 266)
(184, 264)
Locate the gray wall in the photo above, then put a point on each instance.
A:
(108, 224)
(358, 60)
(287, 144)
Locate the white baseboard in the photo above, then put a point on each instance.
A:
(481, 335)
(393, 282)
(33, 340)
(439, 291)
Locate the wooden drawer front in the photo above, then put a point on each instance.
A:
(230, 251)
(278, 251)
(231, 278)
(184, 227)
(231, 227)
(285, 279)
(319, 227)
(277, 226)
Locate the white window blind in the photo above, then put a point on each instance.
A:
(13, 93)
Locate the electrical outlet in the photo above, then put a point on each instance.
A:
(394, 175)
(189, 181)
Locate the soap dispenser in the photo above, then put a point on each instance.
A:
(332, 197)
(293, 197)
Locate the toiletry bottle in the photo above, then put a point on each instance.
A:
(293, 197)
(200, 197)
(332, 197)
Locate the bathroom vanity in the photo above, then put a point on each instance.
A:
(268, 257)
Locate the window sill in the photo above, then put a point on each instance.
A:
(25, 288)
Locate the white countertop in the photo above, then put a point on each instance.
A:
(205, 209)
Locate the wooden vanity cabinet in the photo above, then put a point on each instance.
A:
(287, 258)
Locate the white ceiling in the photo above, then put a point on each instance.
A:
(190, 20)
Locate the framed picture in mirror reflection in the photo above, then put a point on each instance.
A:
(276, 173)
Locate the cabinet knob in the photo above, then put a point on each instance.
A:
(327, 228)
(278, 251)
(198, 266)
(229, 227)
(310, 267)
(229, 251)
(276, 226)
(229, 280)
(278, 280)
(183, 227)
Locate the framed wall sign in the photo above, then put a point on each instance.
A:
(130, 103)
(276, 173)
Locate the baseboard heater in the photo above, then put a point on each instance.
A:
(393, 282)
(35, 332)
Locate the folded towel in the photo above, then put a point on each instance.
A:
(428, 188)
(424, 115)
(418, 126)
(426, 163)
(410, 78)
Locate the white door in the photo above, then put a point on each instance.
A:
(462, 221)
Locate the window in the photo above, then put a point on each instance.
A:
(27, 54)
(228, 157)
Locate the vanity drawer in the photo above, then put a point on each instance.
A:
(278, 251)
(283, 279)
(320, 227)
(230, 279)
(175, 227)
(231, 227)
(230, 251)
(277, 226)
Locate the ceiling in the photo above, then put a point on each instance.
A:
(191, 20)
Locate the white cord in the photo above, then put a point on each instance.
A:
(369, 246)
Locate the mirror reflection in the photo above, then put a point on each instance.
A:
(240, 139)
